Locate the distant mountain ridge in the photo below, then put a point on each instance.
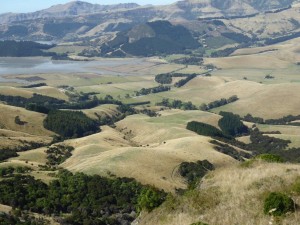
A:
(74, 8)
(78, 20)
(152, 38)
(190, 8)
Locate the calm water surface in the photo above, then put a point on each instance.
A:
(38, 65)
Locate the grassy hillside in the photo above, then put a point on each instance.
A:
(230, 195)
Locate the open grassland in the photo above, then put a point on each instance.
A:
(230, 195)
(13, 91)
(50, 91)
(147, 149)
(103, 110)
(34, 120)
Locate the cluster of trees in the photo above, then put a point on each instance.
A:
(177, 104)
(185, 81)
(230, 151)
(286, 120)
(224, 52)
(23, 49)
(79, 198)
(148, 112)
(271, 41)
(58, 154)
(36, 99)
(204, 129)
(193, 60)
(147, 91)
(193, 172)
(35, 85)
(19, 121)
(266, 144)
(218, 103)
(70, 124)
(43, 104)
(231, 125)
(138, 103)
(7, 153)
(164, 78)
(9, 171)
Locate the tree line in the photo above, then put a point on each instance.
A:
(81, 199)
(70, 124)
(147, 91)
(23, 49)
(219, 103)
(167, 78)
(177, 104)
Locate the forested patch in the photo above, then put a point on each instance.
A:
(9, 171)
(185, 80)
(57, 154)
(43, 104)
(193, 172)
(166, 78)
(23, 49)
(230, 151)
(35, 85)
(177, 104)
(286, 120)
(70, 124)
(271, 41)
(224, 52)
(81, 199)
(7, 153)
(231, 125)
(147, 91)
(193, 60)
(204, 129)
(219, 103)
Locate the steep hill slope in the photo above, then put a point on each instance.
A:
(159, 37)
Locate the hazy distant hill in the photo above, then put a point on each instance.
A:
(81, 21)
(159, 37)
(74, 8)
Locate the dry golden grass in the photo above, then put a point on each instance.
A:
(257, 61)
(34, 120)
(103, 110)
(5, 208)
(50, 91)
(15, 92)
(266, 101)
(147, 149)
(36, 156)
(230, 195)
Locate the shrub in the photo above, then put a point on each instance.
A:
(296, 186)
(270, 158)
(150, 198)
(195, 171)
(278, 204)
